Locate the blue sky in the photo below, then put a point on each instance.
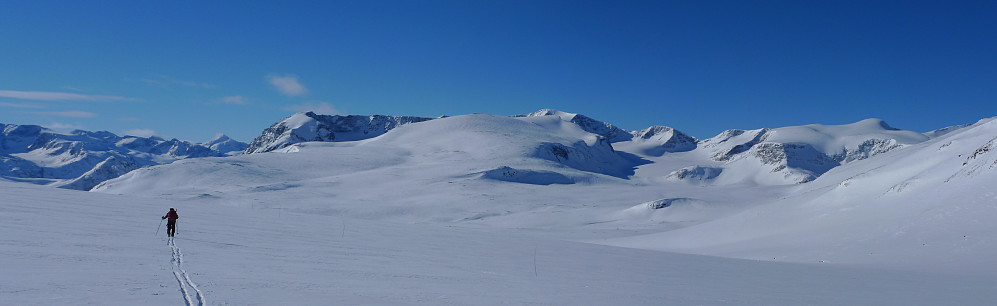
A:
(191, 70)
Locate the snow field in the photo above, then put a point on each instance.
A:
(484, 209)
(68, 247)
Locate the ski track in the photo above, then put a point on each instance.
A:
(182, 278)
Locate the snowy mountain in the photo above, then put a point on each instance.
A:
(225, 145)
(548, 172)
(82, 159)
(308, 126)
(532, 150)
(612, 133)
(658, 140)
(929, 202)
(796, 154)
(779, 156)
(860, 213)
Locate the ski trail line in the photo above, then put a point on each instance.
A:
(182, 278)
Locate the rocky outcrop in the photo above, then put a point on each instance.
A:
(304, 127)
(612, 133)
(658, 140)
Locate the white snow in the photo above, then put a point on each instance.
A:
(926, 207)
(482, 209)
(836, 139)
(70, 247)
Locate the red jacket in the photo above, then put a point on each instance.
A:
(172, 216)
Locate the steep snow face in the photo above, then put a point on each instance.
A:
(308, 126)
(800, 154)
(17, 138)
(110, 168)
(613, 133)
(848, 142)
(730, 143)
(658, 140)
(81, 159)
(778, 163)
(843, 143)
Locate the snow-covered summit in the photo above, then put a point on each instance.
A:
(927, 204)
(81, 159)
(841, 142)
(308, 126)
(226, 145)
(611, 132)
(524, 150)
(799, 154)
(657, 140)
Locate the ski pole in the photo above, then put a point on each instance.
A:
(160, 226)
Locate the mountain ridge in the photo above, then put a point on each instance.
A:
(786, 155)
(82, 159)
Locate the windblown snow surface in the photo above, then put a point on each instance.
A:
(485, 210)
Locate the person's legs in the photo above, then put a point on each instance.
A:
(171, 228)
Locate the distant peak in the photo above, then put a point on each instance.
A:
(550, 112)
(874, 123)
(218, 139)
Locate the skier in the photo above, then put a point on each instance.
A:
(171, 224)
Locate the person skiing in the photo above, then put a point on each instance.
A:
(171, 224)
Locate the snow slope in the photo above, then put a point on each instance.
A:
(68, 247)
(792, 155)
(452, 211)
(452, 148)
(550, 177)
(611, 132)
(926, 206)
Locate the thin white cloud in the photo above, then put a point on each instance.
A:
(22, 105)
(140, 132)
(70, 114)
(287, 84)
(318, 107)
(63, 126)
(168, 81)
(58, 96)
(234, 100)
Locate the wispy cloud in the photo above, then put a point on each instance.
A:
(168, 81)
(287, 84)
(58, 96)
(70, 114)
(140, 132)
(235, 100)
(22, 105)
(318, 107)
(63, 126)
